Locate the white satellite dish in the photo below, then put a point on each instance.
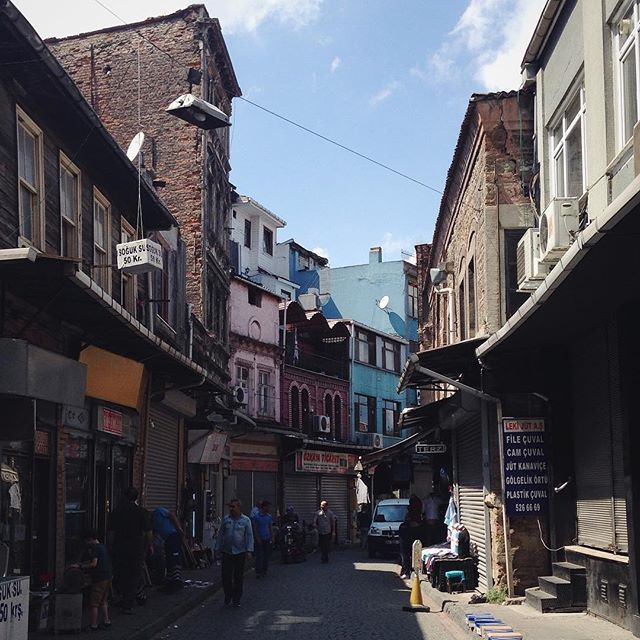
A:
(135, 145)
(383, 303)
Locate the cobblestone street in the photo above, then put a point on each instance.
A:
(350, 597)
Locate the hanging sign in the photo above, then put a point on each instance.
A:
(436, 447)
(14, 608)
(139, 256)
(313, 461)
(110, 421)
(526, 475)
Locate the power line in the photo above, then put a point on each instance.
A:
(342, 146)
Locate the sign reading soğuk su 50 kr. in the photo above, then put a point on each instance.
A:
(526, 475)
(139, 256)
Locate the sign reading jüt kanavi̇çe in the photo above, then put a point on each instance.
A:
(526, 476)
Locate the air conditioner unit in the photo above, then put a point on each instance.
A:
(376, 441)
(531, 272)
(240, 395)
(558, 226)
(321, 424)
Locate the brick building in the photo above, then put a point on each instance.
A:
(484, 212)
(178, 53)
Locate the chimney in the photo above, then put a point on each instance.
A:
(375, 255)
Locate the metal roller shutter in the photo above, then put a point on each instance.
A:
(161, 468)
(335, 490)
(601, 503)
(471, 492)
(301, 492)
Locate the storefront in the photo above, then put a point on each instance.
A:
(312, 475)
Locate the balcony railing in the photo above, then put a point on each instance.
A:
(317, 363)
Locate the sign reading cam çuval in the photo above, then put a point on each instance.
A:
(526, 475)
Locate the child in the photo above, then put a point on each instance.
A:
(99, 565)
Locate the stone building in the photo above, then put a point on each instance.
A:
(469, 289)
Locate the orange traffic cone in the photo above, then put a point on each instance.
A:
(415, 600)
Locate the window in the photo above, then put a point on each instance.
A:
(306, 410)
(265, 392)
(390, 414)
(390, 355)
(255, 297)
(337, 417)
(166, 286)
(462, 328)
(70, 209)
(627, 47)
(294, 402)
(365, 347)
(30, 180)
(267, 241)
(471, 298)
(412, 298)
(247, 234)
(210, 310)
(101, 244)
(365, 413)
(567, 145)
(242, 380)
(328, 409)
(128, 282)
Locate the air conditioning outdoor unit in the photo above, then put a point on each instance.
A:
(321, 424)
(558, 226)
(376, 441)
(240, 395)
(531, 272)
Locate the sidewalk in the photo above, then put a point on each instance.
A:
(160, 611)
(526, 620)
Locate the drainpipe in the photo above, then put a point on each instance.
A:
(190, 312)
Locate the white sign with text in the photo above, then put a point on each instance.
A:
(14, 608)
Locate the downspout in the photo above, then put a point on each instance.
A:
(190, 312)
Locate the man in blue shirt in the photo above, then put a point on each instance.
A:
(234, 542)
(263, 537)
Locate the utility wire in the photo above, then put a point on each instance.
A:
(341, 146)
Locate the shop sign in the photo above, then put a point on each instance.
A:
(14, 608)
(110, 421)
(436, 447)
(139, 256)
(310, 461)
(526, 475)
(42, 443)
(76, 417)
(214, 448)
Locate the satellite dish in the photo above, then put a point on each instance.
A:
(135, 145)
(383, 303)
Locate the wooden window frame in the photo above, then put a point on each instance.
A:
(267, 247)
(37, 191)
(394, 431)
(247, 233)
(65, 164)
(106, 251)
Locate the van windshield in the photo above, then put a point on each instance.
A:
(390, 513)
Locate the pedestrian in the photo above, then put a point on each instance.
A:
(96, 561)
(130, 537)
(167, 527)
(325, 522)
(263, 538)
(364, 522)
(234, 542)
(413, 528)
(432, 507)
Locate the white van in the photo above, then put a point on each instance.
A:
(384, 533)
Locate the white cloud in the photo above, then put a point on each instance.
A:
(489, 39)
(335, 63)
(67, 17)
(321, 251)
(394, 247)
(384, 94)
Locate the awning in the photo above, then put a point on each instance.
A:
(206, 447)
(428, 417)
(446, 365)
(56, 287)
(596, 275)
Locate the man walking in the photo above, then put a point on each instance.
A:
(130, 537)
(325, 522)
(263, 538)
(234, 542)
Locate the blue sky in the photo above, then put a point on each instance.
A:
(391, 79)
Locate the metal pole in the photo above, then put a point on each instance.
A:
(505, 519)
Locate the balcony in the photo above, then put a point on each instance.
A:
(336, 368)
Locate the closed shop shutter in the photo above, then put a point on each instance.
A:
(301, 492)
(335, 490)
(161, 467)
(471, 492)
(601, 504)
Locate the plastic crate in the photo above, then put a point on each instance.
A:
(441, 566)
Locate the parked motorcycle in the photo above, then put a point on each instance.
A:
(291, 543)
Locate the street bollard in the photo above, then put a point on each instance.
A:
(416, 605)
